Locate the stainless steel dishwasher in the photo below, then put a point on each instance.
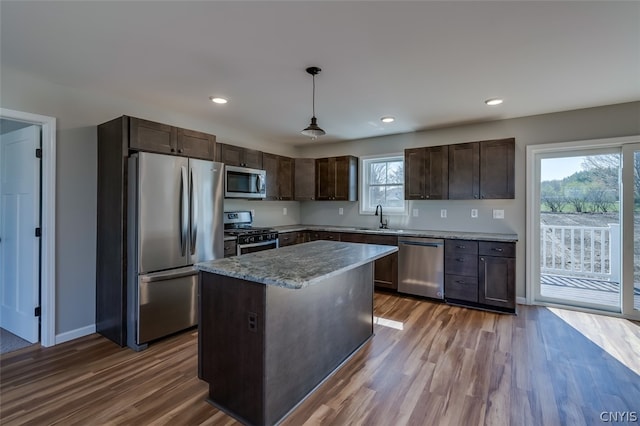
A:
(421, 266)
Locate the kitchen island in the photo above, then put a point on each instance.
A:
(274, 324)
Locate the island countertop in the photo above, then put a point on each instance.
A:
(298, 266)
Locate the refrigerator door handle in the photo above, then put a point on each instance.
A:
(184, 210)
(193, 208)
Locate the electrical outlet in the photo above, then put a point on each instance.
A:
(443, 213)
(253, 213)
(474, 213)
(415, 212)
(340, 211)
(498, 214)
(284, 211)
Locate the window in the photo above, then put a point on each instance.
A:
(382, 182)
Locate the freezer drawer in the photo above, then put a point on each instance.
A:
(167, 302)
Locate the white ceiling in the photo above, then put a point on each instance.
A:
(429, 64)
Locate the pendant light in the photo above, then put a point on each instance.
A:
(313, 131)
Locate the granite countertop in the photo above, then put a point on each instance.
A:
(297, 266)
(452, 235)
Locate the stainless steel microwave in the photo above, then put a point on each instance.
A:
(242, 182)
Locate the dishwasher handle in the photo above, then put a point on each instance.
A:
(413, 243)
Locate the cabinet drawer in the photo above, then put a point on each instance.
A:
(462, 264)
(230, 248)
(458, 247)
(491, 248)
(324, 235)
(461, 287)
(287, 239)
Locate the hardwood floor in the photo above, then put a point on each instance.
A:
(445, 366)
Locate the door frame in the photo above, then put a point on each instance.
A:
(533, 214)
(48, 206)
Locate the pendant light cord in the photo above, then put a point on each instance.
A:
(313, 97)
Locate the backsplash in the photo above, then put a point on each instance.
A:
(271, 213)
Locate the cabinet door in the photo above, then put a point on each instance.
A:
(325, 178)
(230, 247)
(497, 281)
(196, 144)
(305, 179)
(497, 168)
(385, 272)
(270, 164)
(231, 155)
(464, 171)
(346, 178)
(414, 164)
(285, 178)
(252, 159)
(150, 136)
(436, 173)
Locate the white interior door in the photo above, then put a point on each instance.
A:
(19, 246)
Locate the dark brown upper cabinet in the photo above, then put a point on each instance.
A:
(337, 178)
(305, 179)
(497, 168)
(145, 135)
(425, 173)
(279, 176)
(482, 170)
(464, 171)
(232, 155)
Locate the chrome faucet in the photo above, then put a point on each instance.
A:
(383, 225)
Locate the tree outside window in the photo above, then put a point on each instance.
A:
(383, 183)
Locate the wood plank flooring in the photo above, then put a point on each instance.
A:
(445, 366)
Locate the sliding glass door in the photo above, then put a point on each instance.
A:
(583, 225)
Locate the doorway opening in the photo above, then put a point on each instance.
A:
(47, 130)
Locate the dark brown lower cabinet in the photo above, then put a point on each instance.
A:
(290, 238)
(496, 281)
(385, 273)
(480, 274)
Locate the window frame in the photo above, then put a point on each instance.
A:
(363, 184)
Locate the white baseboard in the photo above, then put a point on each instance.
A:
(521, 300)
(74, 334)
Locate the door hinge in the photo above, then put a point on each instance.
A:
(37, 311)
(38, 153)
(38, 232)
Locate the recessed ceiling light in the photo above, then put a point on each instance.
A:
(218, 100)
(388, 119)
(493, 102)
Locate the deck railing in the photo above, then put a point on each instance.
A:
(584, 251)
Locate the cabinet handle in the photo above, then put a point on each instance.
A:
(460, 259)
(482, 259)
(180, 150)
(475, 196)
(422, 196)
(498, 249)
(173, 150)
(460, 281)
(461, 247)
(427, 196)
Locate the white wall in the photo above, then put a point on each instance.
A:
(78, 113)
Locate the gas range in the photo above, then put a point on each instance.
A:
(249, 238)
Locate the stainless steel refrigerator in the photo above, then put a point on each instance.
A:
(175, 207)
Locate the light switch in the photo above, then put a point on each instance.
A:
(443, 213)
(253, 213)
(284, 211)
(415, 212)
(498, 214)
(474, 213)
(340, 211)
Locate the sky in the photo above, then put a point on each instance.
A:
(559, 168)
